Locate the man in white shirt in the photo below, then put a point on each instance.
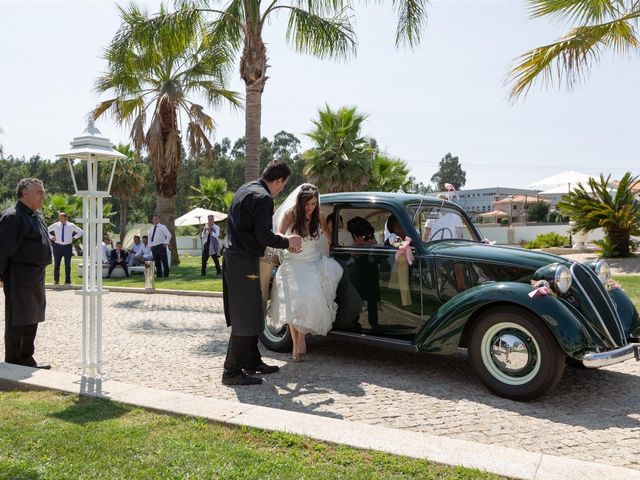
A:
(147, 254)
(159, 238)
(135, 250)
(210, 245)
(106, 250)
(62, 235)
(446, 224)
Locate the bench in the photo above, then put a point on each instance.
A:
(117, 272)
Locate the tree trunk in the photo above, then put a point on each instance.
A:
(166, 208)
(620, 237)
(123, 217)
(253, 68)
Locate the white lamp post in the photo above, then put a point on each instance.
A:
(94, 148)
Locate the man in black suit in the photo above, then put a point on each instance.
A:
(25, 251)
(249, 232)
(118, 259)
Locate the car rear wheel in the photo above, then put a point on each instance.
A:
(277, 339)
(515, 354)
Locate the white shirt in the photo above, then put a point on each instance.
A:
(146, 252)
(65, 230)
(106, 253)
(162, 235)
(444, 226)
(137, 249)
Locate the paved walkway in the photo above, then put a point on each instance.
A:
(178, 343)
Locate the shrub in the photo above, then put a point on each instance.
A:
(547, 240)
(607, 248)
(504, 221)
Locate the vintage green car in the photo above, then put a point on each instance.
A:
(521, 315)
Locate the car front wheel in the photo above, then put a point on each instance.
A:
(276, 339)
(515, 354)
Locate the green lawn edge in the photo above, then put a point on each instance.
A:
(50, 435)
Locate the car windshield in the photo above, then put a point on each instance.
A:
(435, 223)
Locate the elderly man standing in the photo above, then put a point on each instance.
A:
(210, 245)
(64, 233)
(25, 251)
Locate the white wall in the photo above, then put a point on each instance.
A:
(526, 233)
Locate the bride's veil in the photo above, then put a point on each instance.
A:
(288, 204)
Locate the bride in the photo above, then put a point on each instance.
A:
(304, 288)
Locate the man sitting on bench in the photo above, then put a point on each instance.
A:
(118, 258)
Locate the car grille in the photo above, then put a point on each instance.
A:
(597, 303)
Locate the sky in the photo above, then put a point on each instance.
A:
(447, 95)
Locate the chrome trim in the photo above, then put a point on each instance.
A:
(609, 301)
(611, 357)
(593, 307)
(510, 353)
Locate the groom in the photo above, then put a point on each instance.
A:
(249, 232)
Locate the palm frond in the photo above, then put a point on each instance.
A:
(569, 60)
(576, 11)
(323, 37)
(412, 18)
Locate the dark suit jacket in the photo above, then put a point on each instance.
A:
(25, 251)
(114, 256)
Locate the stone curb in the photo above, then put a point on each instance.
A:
(509, 462)
(193, 293)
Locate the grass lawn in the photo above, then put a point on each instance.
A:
(55, 436)
(185, 276)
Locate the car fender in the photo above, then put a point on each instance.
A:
(626, 311)
(447, 329)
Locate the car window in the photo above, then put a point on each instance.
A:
(435, 223)
(366, 226)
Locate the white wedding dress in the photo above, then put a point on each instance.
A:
(304, 288)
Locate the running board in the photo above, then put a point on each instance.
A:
(365, 339)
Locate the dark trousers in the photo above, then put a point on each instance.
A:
(162, 262)
(205, 260)
(113, 265)
(60, 251)
(242, 353)
(19, 344)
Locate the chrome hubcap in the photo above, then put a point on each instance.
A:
(509, 353)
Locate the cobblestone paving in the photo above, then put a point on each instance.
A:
(179, 342)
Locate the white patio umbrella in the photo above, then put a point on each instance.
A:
(198, 216)
(560, 183)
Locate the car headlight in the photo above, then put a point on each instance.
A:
(557, 275)
(562, 279)
(603, 270)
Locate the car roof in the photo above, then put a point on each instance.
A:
(384, 197)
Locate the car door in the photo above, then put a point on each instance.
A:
(380, 293)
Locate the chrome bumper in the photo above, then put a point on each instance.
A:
(602, 359)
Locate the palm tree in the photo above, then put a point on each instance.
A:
(341, 158)
(128, 180)
(618, 215)
(387, 174)
(320, 27)
(153, 72)
(601, 25)
(212, 194)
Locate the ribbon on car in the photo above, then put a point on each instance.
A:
(399, 278)
(540, 289)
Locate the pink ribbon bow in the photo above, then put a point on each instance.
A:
(541, 289)
(405, 249)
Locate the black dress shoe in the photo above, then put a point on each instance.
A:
(262, 368)
(43, 366)
(241, 379)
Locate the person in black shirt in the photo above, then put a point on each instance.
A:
(25, 251)
(249, 232)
